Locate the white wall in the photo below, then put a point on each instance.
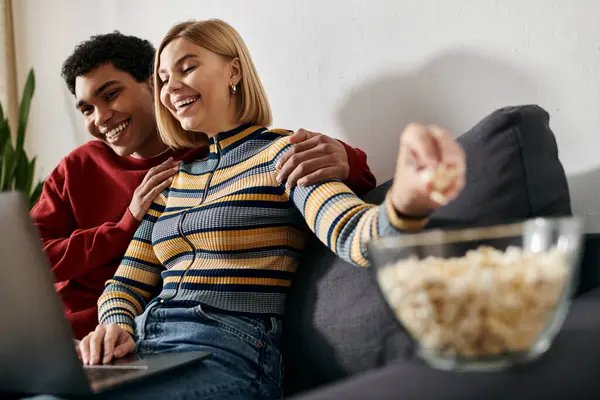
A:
(360, 70)
(3, 89)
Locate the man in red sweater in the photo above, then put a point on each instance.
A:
(93, 201)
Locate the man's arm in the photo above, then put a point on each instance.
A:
(73, 252)
(360, 178)
(315, 158)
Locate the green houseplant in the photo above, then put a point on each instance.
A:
(16, 170)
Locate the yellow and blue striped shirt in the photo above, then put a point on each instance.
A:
(226, 234)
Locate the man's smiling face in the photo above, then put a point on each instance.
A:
(117, 109)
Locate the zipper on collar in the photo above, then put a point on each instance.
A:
(184, 214)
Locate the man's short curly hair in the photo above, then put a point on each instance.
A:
(127, 53)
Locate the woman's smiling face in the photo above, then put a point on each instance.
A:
(195, 86)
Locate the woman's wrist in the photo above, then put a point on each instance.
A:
(409, 208)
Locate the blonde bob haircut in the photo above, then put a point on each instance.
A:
(220, 38)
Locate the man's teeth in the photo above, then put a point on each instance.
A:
(182, 103)
(114, 132)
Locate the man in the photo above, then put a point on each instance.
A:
(93, 201)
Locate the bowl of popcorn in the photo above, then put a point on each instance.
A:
(480, 298)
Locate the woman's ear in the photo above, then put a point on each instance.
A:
(235, 75)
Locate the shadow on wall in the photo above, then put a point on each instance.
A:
(454, 90)
(585, 197)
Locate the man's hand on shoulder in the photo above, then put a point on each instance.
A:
(156, 180)
(314, 158)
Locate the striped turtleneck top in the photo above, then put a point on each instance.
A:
(226, 234)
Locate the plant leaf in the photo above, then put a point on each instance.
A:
(6, 181)
(4, 136)
(30, 174)
(16, 170)
(24, 108)
(21, 173)
(35, 195)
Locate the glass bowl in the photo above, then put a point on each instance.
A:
(481, 298)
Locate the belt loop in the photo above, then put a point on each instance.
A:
(274, 326)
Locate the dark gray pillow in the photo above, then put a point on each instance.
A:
(337, 324)
(513, 170)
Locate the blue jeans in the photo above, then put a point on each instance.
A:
(245, 363)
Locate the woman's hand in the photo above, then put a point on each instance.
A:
(104, 344)
(417, 188)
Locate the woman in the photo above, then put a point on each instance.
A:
(225, 238)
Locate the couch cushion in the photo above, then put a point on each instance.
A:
(569, 370)
(513, 170)
(336, 322)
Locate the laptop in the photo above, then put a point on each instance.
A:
(37, 351)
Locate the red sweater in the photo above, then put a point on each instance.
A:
(85, 224)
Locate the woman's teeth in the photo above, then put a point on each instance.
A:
(115, 132)
(182, 103)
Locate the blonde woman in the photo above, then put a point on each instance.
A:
(224, 240)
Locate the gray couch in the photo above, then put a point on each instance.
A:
(569, 370)
(338, 326)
